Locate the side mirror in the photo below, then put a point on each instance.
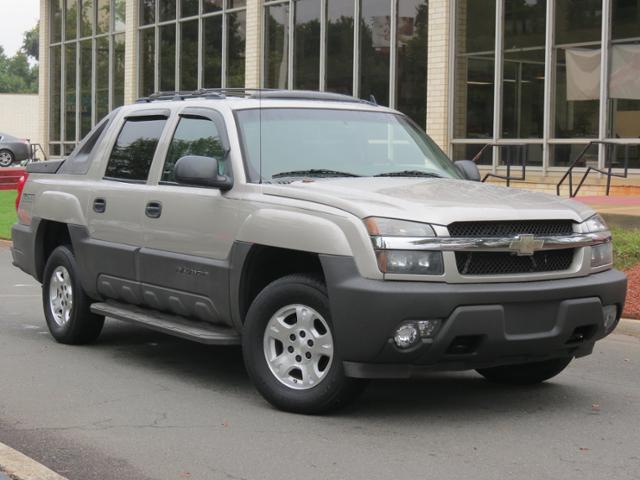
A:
(201, 171)
(468, 169)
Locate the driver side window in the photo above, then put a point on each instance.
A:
(193, 136)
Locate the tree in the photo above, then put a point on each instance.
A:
(16, 74)
(31, 42)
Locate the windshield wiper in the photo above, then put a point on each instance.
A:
(410, 173)
(319, 172)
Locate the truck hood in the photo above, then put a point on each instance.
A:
(433, 200)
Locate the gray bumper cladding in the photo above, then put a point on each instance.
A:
(483, 324)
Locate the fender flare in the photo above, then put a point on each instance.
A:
(60, 207)
(294, 231)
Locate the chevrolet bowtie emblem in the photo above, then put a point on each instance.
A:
(525, 244)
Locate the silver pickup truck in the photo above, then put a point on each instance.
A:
(329, 236)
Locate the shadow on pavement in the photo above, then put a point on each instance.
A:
(435, 396)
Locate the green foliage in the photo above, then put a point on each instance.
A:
(626, 247)
(7, 212)
(16, 74)
(31, 42)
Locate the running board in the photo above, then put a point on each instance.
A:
(168, 323)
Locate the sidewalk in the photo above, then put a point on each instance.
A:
(620, 211)
(15, 465)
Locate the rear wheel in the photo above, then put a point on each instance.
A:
(525, 373)
(289, 348)
(6, 158)
(66, 305)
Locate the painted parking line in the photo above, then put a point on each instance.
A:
(22, 467)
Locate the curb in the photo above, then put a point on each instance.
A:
(628, 327)
(17, 465)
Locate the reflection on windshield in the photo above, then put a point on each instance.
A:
(363, 143)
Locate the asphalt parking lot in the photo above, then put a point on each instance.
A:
(141, 405)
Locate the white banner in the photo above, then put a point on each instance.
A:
(624, 81)
(583, 74)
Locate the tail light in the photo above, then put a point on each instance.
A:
(21, 182)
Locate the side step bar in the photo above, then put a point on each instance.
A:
(168, 323)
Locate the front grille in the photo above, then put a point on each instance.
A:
(504, 263)
(511, 228)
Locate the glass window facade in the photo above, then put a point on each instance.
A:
(190, 44)
(86, 74)
(529, 75)
(309, 44)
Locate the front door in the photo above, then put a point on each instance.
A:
(189, 230)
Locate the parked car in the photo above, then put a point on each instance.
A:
(329, 236)
(13, 150)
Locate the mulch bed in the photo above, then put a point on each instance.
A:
(632, 307)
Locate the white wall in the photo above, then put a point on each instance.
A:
(20, 116)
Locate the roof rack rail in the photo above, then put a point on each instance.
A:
(254, 93)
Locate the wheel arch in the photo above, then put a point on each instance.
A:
(254, 266)
(49, 235)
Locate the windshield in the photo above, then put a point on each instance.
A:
(298, 142)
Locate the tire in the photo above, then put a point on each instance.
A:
(525, 373)
(6, 158)
(311, 384)
(66, 305)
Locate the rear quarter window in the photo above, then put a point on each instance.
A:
(80, 159)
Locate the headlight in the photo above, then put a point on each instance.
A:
(601, 255)
(390, 227)
(595, 224)
(412, 262)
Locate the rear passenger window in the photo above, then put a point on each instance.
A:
(193, 136)
(133, 152)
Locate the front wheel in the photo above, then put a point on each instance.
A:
(289, 348)
(526, 373)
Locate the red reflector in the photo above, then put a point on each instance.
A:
(21, 182)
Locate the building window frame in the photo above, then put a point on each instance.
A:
(62, 144)
(356, 58)
(225, 12)
(549, 140)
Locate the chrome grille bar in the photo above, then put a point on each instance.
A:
(500, 244)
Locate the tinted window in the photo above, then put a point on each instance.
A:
(194, 136)
(133, 152)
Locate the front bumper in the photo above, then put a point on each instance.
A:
(496, 323)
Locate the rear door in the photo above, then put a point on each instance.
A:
(189, 230)
(116, 206)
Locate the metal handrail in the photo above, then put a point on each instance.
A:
(608, 170)
(524, 153)
(35, 147)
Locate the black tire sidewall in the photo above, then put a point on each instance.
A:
(329, 393)
(82, 325)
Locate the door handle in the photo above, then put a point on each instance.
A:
(99, 205)
(153, 209)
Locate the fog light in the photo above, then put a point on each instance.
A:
(429, 328)
(406, 335)
(610, 315)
